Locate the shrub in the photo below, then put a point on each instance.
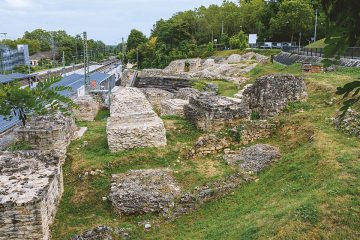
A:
(239, 41)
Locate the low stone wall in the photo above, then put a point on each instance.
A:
(173, 107)
(31, 185)
(186, 93)
(179, 66)
(270, 94)
(132, 122)
(171, 84)
(88, 108)
(209, 112)
(126, 77)
(155, 96)
(245, 133)
(143, 191)
(52, 132)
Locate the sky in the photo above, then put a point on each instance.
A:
(105, 20)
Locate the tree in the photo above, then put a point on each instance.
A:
(344, 31)
(294, 16)
(239, 41)
(25, 102)
(135, 39)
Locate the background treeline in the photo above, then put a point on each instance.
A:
(191, 33)
(40, 40)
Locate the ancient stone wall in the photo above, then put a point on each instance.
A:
(210, 112)
(88, 108)
(270, 94)
(179, 66)
(349, 124)
(245, 133)
(186, 93)
(52, 132)
(155, 96)
(31, 186)
(170, 84)
(132, 122)
(173, 107)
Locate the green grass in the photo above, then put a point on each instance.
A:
(227, 53)
(318, 44)
(226, 88)
(311, 192)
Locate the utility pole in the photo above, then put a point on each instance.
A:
(222, 28)
(86, 65)
(63, 62)
(316, 21)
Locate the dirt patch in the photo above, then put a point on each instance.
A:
(208, 168)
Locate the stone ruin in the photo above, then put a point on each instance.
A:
(210, 112)
(267, 97)
(155, 96)
(88, 108)
(173, 107)
(132, 122)
(248, 131)
(143, 191)
(270, 94)
(236, 58)
(349, 123)
(51, 132)
(253, 158)
(31, 186)
(186, 93)
(103, 233)
(187, 65)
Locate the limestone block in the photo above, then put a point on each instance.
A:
(155, 96)
(51, 132)
(173, 107)
(31, 185)
(88, 108)
(186, 93)
(143, 191)
(210, 112)
(127, 77)
(132, 122)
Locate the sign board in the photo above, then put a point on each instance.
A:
(93, 84)
(252, 38)
(81, 91)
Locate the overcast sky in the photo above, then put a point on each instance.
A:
(106, 20)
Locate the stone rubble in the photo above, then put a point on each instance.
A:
(143, 191)
(88, 108)
(132, 122)
(31, 185)
(173, 107)
(253, 158)
(349, 124)
(103, 233)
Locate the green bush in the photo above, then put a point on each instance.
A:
(239, 41)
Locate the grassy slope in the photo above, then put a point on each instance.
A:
(226, 53)
(318, 44)
(310, 193)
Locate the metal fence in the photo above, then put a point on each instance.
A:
(351, 52)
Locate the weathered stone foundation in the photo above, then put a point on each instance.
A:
(53, 132)
(88, 108)
(143, 191)
(31, 186)
(132, 122)
(173, 107)
(155, 96)
(210, 112)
